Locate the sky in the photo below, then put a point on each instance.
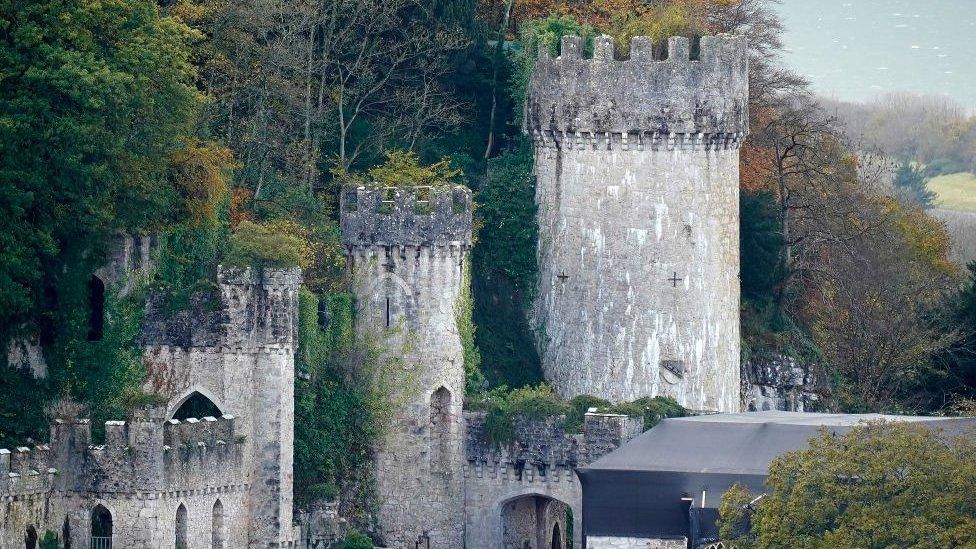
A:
(854, 50)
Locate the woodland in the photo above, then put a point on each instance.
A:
(226, 128)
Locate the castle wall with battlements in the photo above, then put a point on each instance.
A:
(518, 490)
(406, 250)
(239, 355)
(637, 166)
(142, 474)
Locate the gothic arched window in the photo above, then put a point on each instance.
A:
(181, 527)
(101, 528)
(196, 405)
(440, 429)
(217, 526)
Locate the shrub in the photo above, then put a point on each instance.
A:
(276, 243)
(356, 540)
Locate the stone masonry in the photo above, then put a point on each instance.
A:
(203, 482)
(406, 253)
(517, 492)
(637, 166)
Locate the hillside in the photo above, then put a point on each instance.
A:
(955, 191)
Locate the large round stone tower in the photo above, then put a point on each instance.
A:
(637, 164)
(406, 251)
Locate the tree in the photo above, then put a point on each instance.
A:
(95, 98)
(910, 182)
(879, 485)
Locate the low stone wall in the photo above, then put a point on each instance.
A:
(607, 542)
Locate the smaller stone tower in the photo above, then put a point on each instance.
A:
(637, 164)
(406, 253)
(241, 357)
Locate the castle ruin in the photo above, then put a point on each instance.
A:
(637, 166)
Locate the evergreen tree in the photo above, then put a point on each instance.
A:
(912, 183)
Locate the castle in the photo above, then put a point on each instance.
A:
(162, 479)
(637, 169)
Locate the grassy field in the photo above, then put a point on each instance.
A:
(955, 192)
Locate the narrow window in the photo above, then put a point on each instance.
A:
(557, 537)
(66, 534)
(387, 312)
(181, 527)
(218, 525)
(96, 308)
(440, 430)
(30, 537)
(101, 528)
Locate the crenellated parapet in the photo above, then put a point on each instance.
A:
(541, 447)
(260, 307)
(641, 102)
(406, 216)
(141, 455)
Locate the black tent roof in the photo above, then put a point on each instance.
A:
(637, 490)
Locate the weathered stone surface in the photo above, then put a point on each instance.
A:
(641, 95)
(779, 382)
(610, 542)
(637, 169)
(405, 216)
(241, 357)
(406, 262)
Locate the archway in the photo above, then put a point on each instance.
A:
(101, 528)
(534, 521)
(196, 405)
(181, 527)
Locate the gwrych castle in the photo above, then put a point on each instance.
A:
(637, 166)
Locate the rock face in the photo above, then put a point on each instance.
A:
(406, 252)
(637, 166)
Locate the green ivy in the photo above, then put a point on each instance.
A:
(503, 405)
(335, 427)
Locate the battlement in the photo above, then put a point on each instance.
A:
(544, 445)
(641, 101)
(143, 454)
(400, 216)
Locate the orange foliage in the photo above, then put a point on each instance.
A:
(600, 14)
(202, 172)
(240, 202)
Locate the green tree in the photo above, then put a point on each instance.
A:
(879, 485)
(912, 183)
(96, 98)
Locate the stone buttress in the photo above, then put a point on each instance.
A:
(406, 251)
(637, 166)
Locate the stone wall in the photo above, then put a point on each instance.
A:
(609, 542)
(406, 251)
(779, 382)
(510, 486)
(637, 166)
(142, 474)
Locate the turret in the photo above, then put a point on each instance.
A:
(407, 249)
(637, 186)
